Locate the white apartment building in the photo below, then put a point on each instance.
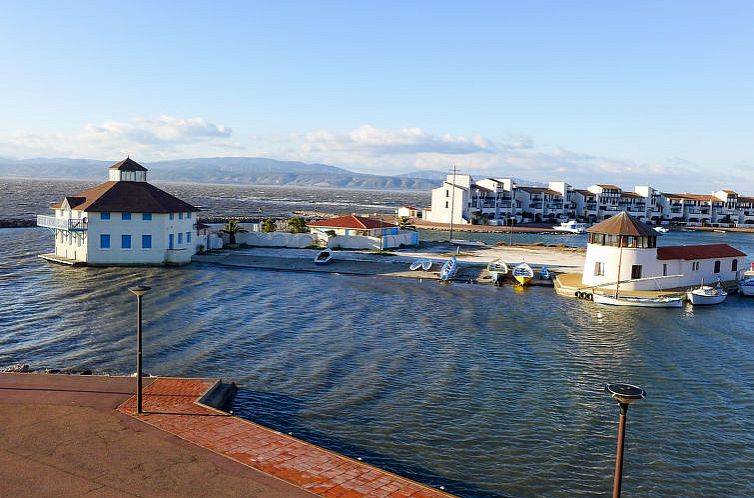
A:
(497, 201)
(124, 221)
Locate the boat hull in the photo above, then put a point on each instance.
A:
(668, 302)
(522, 279)
(746, 289)
(699, 300)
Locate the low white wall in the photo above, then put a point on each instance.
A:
(404, 238)
(276, 239)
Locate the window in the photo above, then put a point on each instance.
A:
(125, 241)
(146, 241)
(717, 266)
(188, 237)
(104, 216)
(695, 266)
(172, 216)
(180, 216)
(104, 241)
(599, 269)
(125, 216)
(188, 215)
(446, 205)
(734, 265)
(664, 269)
(635, 271)
(180, 237)
(447, 193)
(146, 216)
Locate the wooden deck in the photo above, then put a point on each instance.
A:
(52, 257)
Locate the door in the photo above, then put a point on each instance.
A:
(170, 241)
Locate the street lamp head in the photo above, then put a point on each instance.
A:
(139, 290)
(625, 393)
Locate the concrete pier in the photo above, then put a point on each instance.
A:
(67, 435)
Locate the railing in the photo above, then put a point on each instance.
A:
(73, 224)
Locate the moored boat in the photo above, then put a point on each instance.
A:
(415, 265)
(523, 273)
(746, 286)
(449, 269)
(323, 257)
(426, 264)
(544, 273)
(497, 269)
(705, 294)
(571, 226)
(661, 230)
(641, 302)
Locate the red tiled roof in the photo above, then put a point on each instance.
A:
(609, 187)
(352, 221)
(539, 190)
(631, 194)
(703, 251)
(623, 224)
(133, 197)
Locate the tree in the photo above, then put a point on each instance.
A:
(404, 223)
(268, 226)
(232, 227)
(297, 225)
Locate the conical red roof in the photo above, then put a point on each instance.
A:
(623, 224)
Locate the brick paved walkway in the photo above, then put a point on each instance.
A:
(172, 406)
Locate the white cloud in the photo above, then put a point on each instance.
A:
(163, 130)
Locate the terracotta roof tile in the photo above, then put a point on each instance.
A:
(128, 164)
(623, 224)
(134, 197)
(352, 221)
(704, 251)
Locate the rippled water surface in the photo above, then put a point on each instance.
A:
(489, 392)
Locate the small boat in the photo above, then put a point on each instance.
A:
(661, 230)
(426, 264)
(416, 265)
(718, 231)
(544, 273)
(523, 273)
(323, 257)
(571, 226)
(469, 243)
(706, 294)
(641, 302)
(449, 269)
(746, 286)
(498, 269)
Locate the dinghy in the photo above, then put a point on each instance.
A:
(426, 264)
(705, 294)
(544, 273)
(449, 269)
(523, 273)
(416, 265)
(641, 302)
(746, 286)
(323, 257)
(497, 269)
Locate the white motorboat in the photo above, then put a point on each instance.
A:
(641, 302)
(571, 226)
(523, 273)
(705, 294)
(661, 230)
(323, 257)
(497, 269)
(746, 286)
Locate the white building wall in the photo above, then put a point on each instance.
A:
(444, 201)
(652, 267)
(160, 228)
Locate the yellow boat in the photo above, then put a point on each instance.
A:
(523, 273)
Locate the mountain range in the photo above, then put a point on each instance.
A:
(235, 170)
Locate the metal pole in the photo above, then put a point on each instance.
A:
(138, 358)
(618, 477)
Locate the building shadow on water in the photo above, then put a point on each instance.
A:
(281, 413)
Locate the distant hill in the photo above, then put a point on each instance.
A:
(439, 176)
(237, 170)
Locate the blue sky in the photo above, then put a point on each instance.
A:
(654, 92)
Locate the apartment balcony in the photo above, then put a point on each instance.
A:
(72, 224)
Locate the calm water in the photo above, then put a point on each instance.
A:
(490, 392)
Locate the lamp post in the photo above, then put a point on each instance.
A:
(138, 291)
(624, 394)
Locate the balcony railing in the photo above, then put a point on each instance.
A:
(73, 224)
